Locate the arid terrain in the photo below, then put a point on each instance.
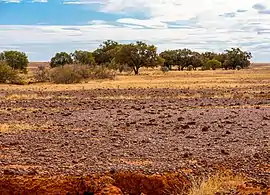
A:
(174, 128)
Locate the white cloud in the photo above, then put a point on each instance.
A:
(10, 1)
(197, 24)
(41, 42)
(40, 1)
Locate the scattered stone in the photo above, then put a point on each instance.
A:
(191, 137)
(205, 128)
(224, 152)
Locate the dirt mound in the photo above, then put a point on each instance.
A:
(118, 183)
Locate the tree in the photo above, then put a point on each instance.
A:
(183, 58)
(213, 64)
(170, 58)
(236, 57)
(61, 59)
(15, 59)
(83, 57)
(106, 52)
(138, 55)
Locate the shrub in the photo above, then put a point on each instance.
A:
(164, 69)
(7, 74)
(100, 72)
(42, 74)
(238, 67)
(76, 73)
(190, 68)
(64, 75)
(213, 64)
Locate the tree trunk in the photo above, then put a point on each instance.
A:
(136, 70)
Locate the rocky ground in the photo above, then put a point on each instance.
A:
(195, 132)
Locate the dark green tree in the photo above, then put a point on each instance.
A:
(236, 57)
(138, 55)
(106, 52)
(170, 58)
(83, 57)
(15, 59)
(61, 59)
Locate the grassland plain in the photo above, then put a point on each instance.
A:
(198, 132)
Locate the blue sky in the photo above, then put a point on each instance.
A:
(42, 27)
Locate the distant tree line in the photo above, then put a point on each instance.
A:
(133, 56)
(122, 57)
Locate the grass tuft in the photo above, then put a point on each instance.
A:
(219, 183)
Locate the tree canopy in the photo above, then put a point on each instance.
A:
(138, 55)
(83, 57)
(60, 59)
(106, 52)
(15, 59)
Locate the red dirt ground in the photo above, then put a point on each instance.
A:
(144, 131)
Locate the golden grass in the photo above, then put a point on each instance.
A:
(34, 96)
(18, 126)
(222, 182)
(26, 97)
(149, 78)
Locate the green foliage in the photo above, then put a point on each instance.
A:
(237, 57)
(83, 57)
(15, 59)
(170, 58)
(7, 74)
(61, 59)
(138, 55)
(181, 58)
(117, 66)
(213, 64)
(106, 52)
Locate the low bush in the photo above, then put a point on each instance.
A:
(190, 68)
(164, 69)
(100, 72)
(213, 64)
(42, 74)
(64, 75)
(76, 73)
(8, 75)
(238, 67)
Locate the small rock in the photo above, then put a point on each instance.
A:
(228, 132)
(224, 152)
(204, 129)
(191, 123)
(191, 137)
(184, 126)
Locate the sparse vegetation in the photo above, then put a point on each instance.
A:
(76, 73)
(7, 74)
(220, 183)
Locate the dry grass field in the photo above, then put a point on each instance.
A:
(196, 133)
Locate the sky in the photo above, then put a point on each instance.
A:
(43, 27)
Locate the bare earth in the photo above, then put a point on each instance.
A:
(152, 130)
